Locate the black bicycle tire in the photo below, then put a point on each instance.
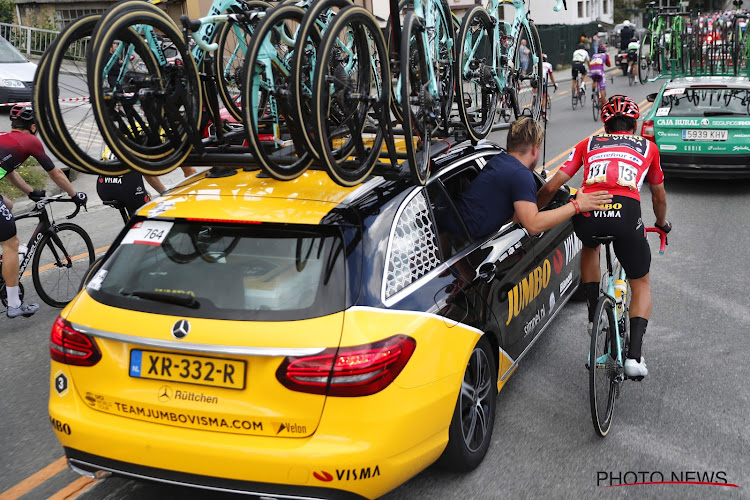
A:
(304, 38)
(417, 160)
(488, 109)
(222, 35)
(603, 306)
(75, 282)
(536, 51)
(130, 154)
(344, 171)
(574, 95)
(271, 166)
(72, 154)
(644, 61)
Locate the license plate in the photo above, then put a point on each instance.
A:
(199, 370)
(704, 135)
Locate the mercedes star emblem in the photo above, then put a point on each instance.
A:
(165, 393)
(181, 329)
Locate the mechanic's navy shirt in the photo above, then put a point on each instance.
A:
(488, 201)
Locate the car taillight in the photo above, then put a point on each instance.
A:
(68, 346)
(348, 371)
(647, 130)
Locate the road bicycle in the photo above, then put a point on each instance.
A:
(610, 338)
(495, 60)
(578, 95)
(596, 103)
(59, 255)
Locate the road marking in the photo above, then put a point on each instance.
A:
(75, 488)
(34, 480)
(553, 170)
(77, 257)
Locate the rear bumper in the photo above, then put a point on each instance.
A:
(715, 166)
(93, 465)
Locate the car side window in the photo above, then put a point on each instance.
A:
(452, 234)
(413, 248)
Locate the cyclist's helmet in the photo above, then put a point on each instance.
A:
(581, 46)
(22, 116)
(602, 49)
(619, 105)
(544, 57)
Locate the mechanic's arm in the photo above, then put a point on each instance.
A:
(659, 202)
(16, 179)
(59, 178)
(550, 188)
(536, 222)
(552, 79)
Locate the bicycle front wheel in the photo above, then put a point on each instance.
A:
(60, 263)
(603, 366)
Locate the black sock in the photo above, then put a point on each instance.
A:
(637, 331)
(591, 292)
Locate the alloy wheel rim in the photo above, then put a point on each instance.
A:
(475, 400)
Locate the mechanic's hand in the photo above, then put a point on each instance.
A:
(666, 227)
(593, 201)
(81, 199)
(37, 194)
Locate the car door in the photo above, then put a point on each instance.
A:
(501, 269)
(557, 253)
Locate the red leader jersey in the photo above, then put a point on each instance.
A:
(617, 163)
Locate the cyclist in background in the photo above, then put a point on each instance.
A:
(15, 147)
(580, 60)
(633, 47)
(596, 65)
(618, 161)
(547, 74)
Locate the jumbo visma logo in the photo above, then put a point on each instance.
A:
(526, 291)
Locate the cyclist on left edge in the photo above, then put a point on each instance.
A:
(596, 68)
(15, 147)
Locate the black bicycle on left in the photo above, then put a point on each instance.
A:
(59, 254)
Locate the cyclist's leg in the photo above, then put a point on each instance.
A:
(134, 193)
(585, 228)
(602, 84)
(633, 252)
(9, 243)
(574, 72)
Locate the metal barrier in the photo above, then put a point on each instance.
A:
(32, 41)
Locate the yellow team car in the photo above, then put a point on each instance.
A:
(299, 339)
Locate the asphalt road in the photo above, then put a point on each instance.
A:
(689, 416)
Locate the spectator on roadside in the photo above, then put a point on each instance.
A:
(594, 44)
(525, 51)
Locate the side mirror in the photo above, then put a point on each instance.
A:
(651, 97)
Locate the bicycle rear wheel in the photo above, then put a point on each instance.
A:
(478, 94)
(60, 263)
(603, 366)
(574, 96)
(350, 96)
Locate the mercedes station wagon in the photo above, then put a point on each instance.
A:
(300, 339)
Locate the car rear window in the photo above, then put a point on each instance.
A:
(250, 272)
(705, 102)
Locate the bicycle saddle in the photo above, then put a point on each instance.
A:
(603, 240)
(113, 203)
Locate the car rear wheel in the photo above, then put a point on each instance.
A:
(470, 431)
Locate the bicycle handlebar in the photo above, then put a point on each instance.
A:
(662, 237)
(560, 4)
(59, 198)
(195, 25)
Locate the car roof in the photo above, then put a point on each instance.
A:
(251, 196)
(702, 81)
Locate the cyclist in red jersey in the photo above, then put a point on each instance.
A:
(618, 161)
(15, 147)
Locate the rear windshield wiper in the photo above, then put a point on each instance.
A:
(181, 299)
(721, 113)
